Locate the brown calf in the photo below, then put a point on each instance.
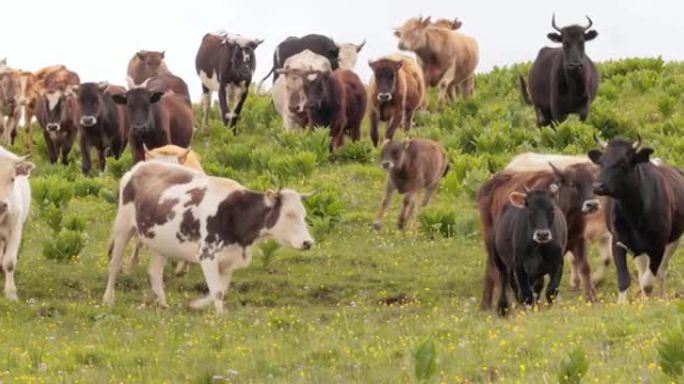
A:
(336, 100)
(414, 165)
(396, 91)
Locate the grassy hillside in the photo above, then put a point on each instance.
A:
(362, 306)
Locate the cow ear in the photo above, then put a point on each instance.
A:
(119, 99)
(162, 53)
(643, 156)
(590, 35)
(557, 173)
(556, 38)
(457, 24)
(397, 33)
(156, 96)
(256, 43)
(372, 64)
(427, 21)
(518, 199)
(24, 168)
(595, 156)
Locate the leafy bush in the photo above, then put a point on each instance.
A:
(435, 222)
(117, 168)
(51, 190)
(64, 246)
(671, 348)
(574, 367)
(87, 187)
(268, 250)
(324, 212)
(359, 152)
(300, 165)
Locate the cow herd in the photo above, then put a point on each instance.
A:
(537, 210)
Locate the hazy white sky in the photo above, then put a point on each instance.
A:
(97, 38)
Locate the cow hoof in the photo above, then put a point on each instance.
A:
(647, 290)
(622, 297)
(11, 296)
(377, 225)
(108, 300)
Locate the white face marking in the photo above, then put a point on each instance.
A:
(246, 57)
(210, 82)
(53, 99)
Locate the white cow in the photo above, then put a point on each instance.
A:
(348, 54)
(185, 215)
(287, 92)
(15, 202)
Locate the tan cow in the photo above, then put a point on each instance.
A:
(448, 57)
(146, 64)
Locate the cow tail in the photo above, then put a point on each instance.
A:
(524, 91)
(446, 169)
(261, 83)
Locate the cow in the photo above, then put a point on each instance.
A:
(56, 112)
(562, 80)
(575, 199)
(225, 65)
(172, 154)
(15, 202)
(288, 95)
(10, 107)
(337, 100)
(414, 166)
(645, 210)
(182, 214)
(529, 240)
(102, 124)
(150, 66)
(448, 58)
(340, 55)
(396, 91)
(448, 24)
(155, 119)
(595, 231)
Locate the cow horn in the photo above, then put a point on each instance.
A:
(22, 158)
(305, 196)
(148, 154)
(553, 23)
(360, 46)
(555, 170)
(637, 143)
(130, 82)
(185, 154)
(526, 188)
(144, 83)
(600, 142)
(590, 22)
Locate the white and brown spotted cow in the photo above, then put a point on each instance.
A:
(182, 214)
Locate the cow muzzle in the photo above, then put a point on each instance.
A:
(52, 127)
(384, 97)
(590, 206)
(3, 207)
(575, 66)
(601, 189)
(88, 120)
(387, 164)
(307, 244)
(542, 236)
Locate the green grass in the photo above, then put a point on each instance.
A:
(362, 306)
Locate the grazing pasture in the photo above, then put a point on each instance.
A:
(362, 306)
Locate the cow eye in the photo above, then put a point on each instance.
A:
(12, 180)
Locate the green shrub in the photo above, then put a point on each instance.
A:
(360, 152)
(268, 250)
(117, 167)
(51, 190)
(425, 360)
(434, 221)
(64, 246)
(573, 368)
(87, 187)
(299, 165)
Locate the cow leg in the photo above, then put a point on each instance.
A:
(605, 256)
(644, 278)
(50, 145)
(210, 268)
(574, 274)
(223, 104)
(181, 268)
(238, 108)
(491, 277)
(527, 296)
(467, 87)
(537, 287)
(427, 195)
(408, 121)
(391, 127)
(407, 206)
(655, 262)
(9, 262)
(206, 107)
(374, 121)
(85, 154)
(581, 264)
(620, 256)
(389, 190)
(28, 116)
(444, 84)
(135, 256)
(66, 147)
(664, 264)
(122, 233)
(504, 274)
(583, 112)
(156, 271)
(101, 159)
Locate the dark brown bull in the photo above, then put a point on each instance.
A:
(575, 200)
(414, 165)
(562, 80)
(156, 119)
(56, 112)
(337, 100)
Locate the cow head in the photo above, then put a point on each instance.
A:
(139, 102)
(386, 73)
(572, 37)
(348, 54)
(9, 170)
(316, 89)
(618, 163)
(448, 24)
(242, 58)
(413, 34)
(290, 226)
(294, 87)
(539, 205)
(60, 108)
(392, 154)
(90, 102)
(576, 191)
(151, 60)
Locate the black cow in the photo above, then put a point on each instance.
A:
(225, 64)
(318, 44)
(529, 241)
(562, 80)
(102, 124)
(645, 211)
